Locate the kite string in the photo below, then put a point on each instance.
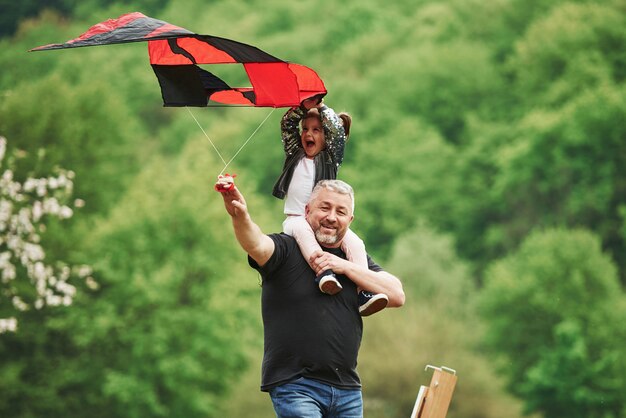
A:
(207, 136)
(247, 140)
(240, 148)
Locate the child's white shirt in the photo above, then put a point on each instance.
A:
(300, 187)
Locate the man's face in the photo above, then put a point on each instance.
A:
(330, 215)
(312, 137)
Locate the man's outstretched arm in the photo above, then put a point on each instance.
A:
(259, 246)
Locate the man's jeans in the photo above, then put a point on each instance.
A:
(308, 398)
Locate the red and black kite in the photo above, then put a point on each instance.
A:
(176, 52)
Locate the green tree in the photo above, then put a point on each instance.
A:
(558, 158)
(84, 128)
(438, 326)
(14, 12)
(408, 189)
(29, 280)
(564, 167)
(554, 311)
(164, 334)
(573, 48)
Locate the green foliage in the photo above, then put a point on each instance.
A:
(432, 89)
(399, 199)
(15, 11)
(558, 160)
(84, 9)
(437, 326)
(565, 168)
(26, 67)
(586, 391)
(554, 310)
(87, 130)
(161, 335)
(575, 47)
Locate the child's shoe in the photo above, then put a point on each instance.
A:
(328, 283)
(370, 303)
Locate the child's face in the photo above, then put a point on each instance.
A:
(312, 137)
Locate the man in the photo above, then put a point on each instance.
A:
(311, 339)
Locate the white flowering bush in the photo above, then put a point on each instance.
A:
(27, 279)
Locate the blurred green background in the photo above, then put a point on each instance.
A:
(488, 155)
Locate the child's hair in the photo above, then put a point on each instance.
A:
(347, 122)
(346, 119)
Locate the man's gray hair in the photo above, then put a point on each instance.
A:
(336, 186)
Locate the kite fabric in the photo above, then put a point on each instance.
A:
(176, 52)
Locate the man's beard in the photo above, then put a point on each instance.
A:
(325, 238)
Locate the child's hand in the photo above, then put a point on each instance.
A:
(311, 102)
(225, 183)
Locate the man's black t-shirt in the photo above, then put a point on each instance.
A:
(307, 333)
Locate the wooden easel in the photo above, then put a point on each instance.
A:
(433, 401)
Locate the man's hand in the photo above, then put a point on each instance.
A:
(225, 182)
(321, 261)
(234, 202)
(253, 241)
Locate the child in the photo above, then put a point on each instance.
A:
(312, 155)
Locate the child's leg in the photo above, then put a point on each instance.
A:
(299, 228)
(369, 303)
(354, 248)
